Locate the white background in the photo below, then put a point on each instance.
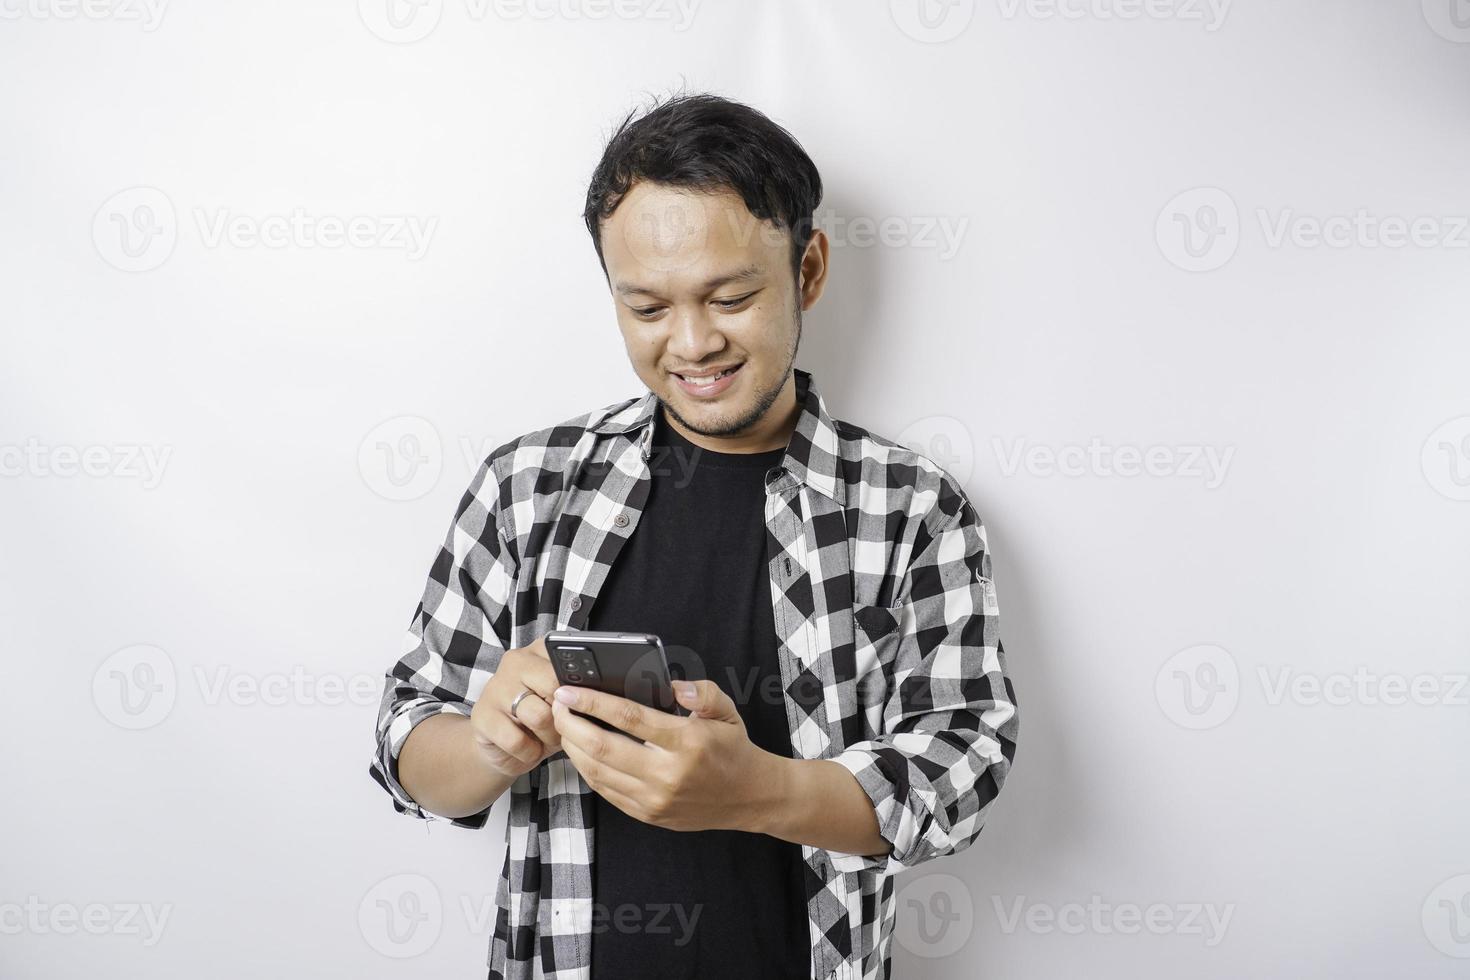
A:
(1150, 619)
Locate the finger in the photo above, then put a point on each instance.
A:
(535, 714)
(707, 700)
(609, 749)
(539, 676)
(646, 723)
(538, 648)
(602, 777)
(502, 731)
(628, 803)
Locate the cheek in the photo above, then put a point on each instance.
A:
(768, 330)
(641, 343)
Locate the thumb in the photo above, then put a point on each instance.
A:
(705, 699)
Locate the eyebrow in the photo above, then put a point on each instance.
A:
(709, 285)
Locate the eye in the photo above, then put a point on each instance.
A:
(730, 304)
(645, 312)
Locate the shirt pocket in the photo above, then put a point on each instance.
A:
(877, 632)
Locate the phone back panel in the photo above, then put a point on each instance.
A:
(632, 666)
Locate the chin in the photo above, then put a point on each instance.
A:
(713, 414)
(715, 418)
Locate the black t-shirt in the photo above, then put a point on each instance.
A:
(706, 904)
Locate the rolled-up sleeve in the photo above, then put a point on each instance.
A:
(459, 632)
(949, 720)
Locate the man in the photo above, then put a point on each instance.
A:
(856, 718)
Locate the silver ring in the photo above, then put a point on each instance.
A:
(515, 702)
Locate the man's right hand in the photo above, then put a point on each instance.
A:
(512, 746)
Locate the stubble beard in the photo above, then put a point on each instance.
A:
(763, 401)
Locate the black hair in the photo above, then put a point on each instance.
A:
(709, 143)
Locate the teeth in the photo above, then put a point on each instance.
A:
(702, 382)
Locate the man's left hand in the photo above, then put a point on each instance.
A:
(696, 772)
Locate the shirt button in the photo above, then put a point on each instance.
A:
(576, 603)
(621, 520)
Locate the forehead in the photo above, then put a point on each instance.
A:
(671, 239)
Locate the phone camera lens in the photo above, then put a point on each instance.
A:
(574, 677)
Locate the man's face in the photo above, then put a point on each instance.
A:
(700, 286)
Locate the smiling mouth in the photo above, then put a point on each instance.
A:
(709, 379)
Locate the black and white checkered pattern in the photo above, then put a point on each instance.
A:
(886, 621)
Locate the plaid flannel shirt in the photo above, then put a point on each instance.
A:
(886, 624)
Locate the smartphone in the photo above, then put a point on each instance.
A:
(630, 665)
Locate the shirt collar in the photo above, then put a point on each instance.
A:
(811, 455)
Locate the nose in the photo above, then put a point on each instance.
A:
(693, 337)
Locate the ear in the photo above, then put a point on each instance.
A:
(812, 277)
